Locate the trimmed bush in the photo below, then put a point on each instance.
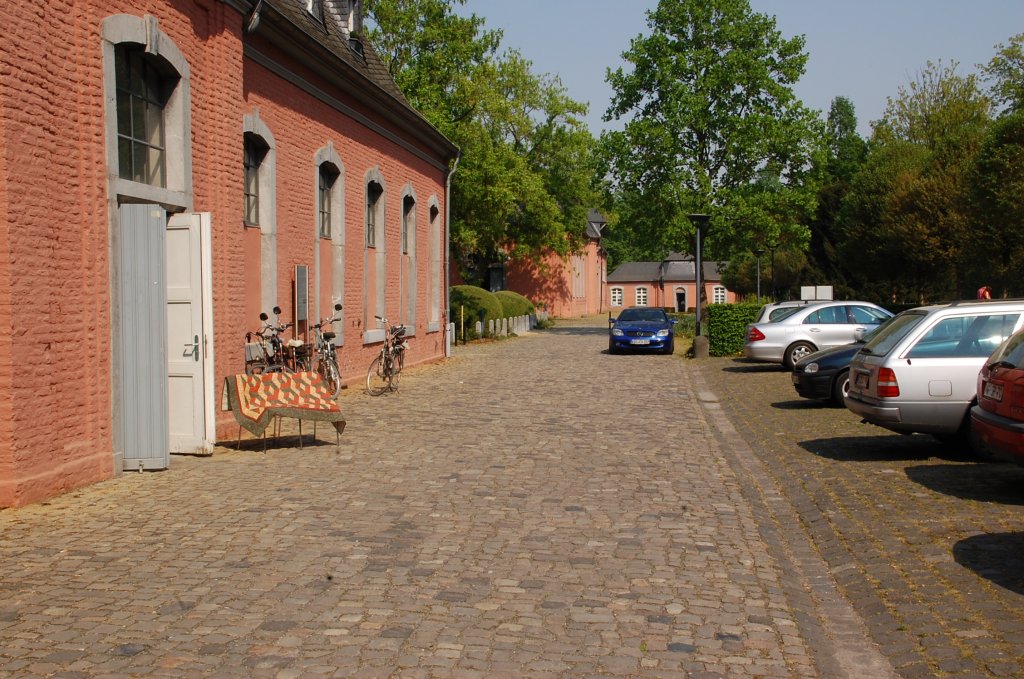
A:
(513, 304)
(467, 302)
(726, 324)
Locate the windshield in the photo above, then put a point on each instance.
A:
(887, 336)
(652, 315)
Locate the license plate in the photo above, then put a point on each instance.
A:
(993, 391)
(861, 380)
(640, 341)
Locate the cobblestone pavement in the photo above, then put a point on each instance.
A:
(925, 540)
(530, 508)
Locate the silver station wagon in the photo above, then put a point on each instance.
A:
(920, 372)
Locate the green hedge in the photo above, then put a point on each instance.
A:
(467, 301)
(513, 304)
(725, 325)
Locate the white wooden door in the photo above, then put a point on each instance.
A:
(189, 354)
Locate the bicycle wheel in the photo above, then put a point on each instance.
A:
(397, 362)
(331, 376)
(378, 377)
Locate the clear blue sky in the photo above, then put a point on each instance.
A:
(861, 49)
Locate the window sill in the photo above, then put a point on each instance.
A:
(373, 336)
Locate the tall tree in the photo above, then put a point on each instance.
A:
(997, 243)
(922, 151)
(710, 113)
(1005, 72)
(844, 155)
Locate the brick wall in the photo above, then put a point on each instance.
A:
(55, 267)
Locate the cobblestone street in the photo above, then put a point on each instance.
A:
(532, 508)
(925, 540)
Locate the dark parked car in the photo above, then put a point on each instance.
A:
(825, 374)
(641, 328)
(997, 421)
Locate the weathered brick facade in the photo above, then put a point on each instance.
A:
(59, 191)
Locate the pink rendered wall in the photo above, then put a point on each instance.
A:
(550, 282)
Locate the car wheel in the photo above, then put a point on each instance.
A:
(841, 387)
(670, 348)
(795, 352)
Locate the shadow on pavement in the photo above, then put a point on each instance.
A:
(995, 557)
(885, 447)
(754, 367)
(803, 404)
(577, 330)
(979, 481)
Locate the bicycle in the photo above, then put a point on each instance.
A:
(386, 369)
(264, 350)
(323, 351)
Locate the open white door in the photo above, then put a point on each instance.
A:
(189, 349)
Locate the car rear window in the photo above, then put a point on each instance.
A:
(1011, 352)
(782, 312)
(968, 336)
(890, 335)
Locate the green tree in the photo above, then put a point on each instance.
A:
(998, 206)
(910, 208)
(1005, 72)
(844, 155)
(711, 122)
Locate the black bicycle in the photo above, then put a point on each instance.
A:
(264, 349)
(386, 368)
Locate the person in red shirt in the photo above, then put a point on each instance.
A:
(984, 292)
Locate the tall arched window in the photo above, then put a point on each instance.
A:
(329, 260)
(374, 257)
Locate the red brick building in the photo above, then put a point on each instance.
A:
(168, 170)
(670, 284)
(565, 287)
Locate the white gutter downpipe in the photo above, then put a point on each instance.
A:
(447, 256)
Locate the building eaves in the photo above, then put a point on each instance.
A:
(322, 48)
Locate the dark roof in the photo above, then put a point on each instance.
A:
(595, 223)
(668, 269)
(347, 62)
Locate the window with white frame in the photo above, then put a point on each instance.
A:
(616, 296)
(641, 296)
(718, 294)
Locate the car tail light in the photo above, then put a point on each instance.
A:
(755, 335)
(887, 386)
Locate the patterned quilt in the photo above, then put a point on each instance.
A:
(256, 399)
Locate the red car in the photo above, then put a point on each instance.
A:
(997, 422)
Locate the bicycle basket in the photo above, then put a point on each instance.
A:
(398, 331)
(253, 352)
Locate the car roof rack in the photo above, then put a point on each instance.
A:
(963, 302)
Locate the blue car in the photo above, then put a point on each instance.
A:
(641, 328)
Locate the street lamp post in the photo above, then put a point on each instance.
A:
(758, 252)
(700, 222)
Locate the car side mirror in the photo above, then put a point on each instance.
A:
(858, 334)
(673, 321)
